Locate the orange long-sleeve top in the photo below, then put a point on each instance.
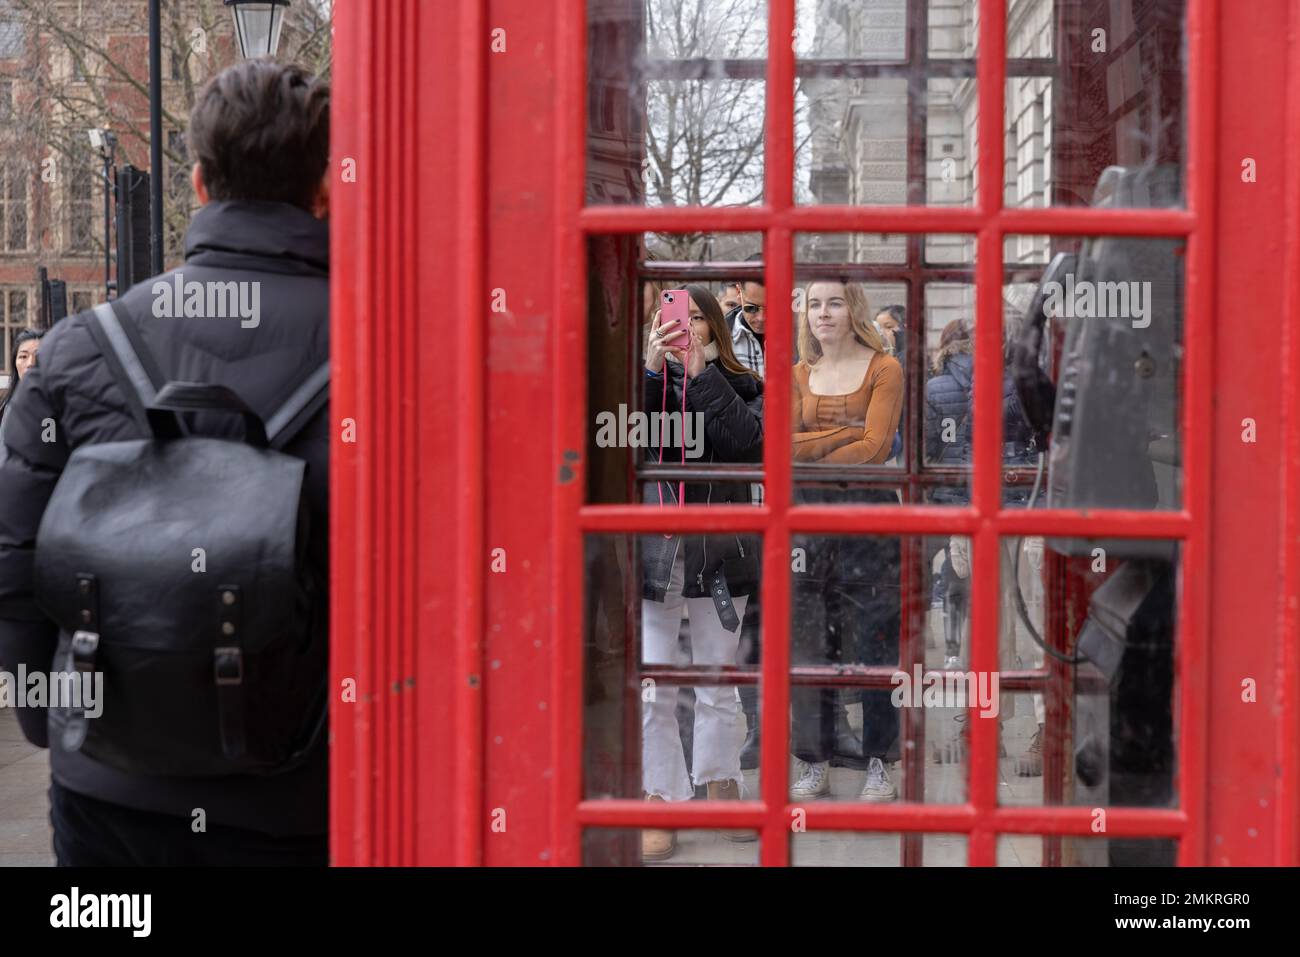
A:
(856, 428)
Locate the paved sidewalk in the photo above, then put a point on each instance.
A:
(24, 799)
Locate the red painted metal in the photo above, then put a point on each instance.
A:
(1191, 648)
(422, 493)
(778, 255)
(1288, 645)
(406, 573)
(569, 418)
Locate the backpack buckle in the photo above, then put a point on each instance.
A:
(84, 646)
(228, 666)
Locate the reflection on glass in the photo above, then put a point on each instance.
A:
(1033, 850)
(1088, 684)
(931, 448)
(856, 144)
(830, 29)
(642, 375)
(675, 102)
(621, 847)
(872, 622)
(877, 849)
(1095, 343)
(848, 389)
(689, 693)
(1113, 98)
(845, 610)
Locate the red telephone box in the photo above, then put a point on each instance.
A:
(493, 234)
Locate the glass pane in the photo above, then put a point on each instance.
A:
(871, 141)
(948, 422)
(675, 104)
(876, 122)
(873, 621)
(892, 291)
(671, 644)
(833, 29)
(1032, 850)
(1094, 349)
(877, 32)
(1104, 122)
(641, 448)
(628, 847)
(1086, 644)
(953, 28)
(1029, 29)
(876, 849)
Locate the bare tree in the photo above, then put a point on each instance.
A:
(705, 98)
(84, 65)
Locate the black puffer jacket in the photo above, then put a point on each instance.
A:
(948, 397)
(732, 406)
(286, 251)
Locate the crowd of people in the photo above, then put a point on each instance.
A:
(847, 405)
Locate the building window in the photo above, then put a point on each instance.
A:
(13, 208)
(81, 210)
(6, 99)
(11, 32)
(13, 317)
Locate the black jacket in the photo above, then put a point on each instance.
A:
(732, 406)
(286, 251)
(948, 396)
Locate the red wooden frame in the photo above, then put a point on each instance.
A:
(981, 817)
(469, 687)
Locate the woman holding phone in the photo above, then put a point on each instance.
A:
(847, 399)
(707, 577)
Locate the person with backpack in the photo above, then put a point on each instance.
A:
(165, 516)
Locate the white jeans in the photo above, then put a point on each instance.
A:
(719, 722)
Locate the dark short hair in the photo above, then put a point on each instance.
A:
(260, 130)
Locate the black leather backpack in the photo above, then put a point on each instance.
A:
(176, 566)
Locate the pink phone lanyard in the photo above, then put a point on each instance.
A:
(663, 408)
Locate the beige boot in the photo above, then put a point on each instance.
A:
(656, 844)
(730, 791)
(1030, 764)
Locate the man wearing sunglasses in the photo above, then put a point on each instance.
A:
(747, 322)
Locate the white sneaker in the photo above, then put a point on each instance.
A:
(878, 786)
(814, 780)
(952, 663)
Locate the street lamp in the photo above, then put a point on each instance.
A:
(257, 24)
(105, 142)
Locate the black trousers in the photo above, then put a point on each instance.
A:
(845, 610)
(93, 833)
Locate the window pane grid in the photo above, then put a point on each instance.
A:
(985, 521)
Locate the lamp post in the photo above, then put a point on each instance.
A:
(155, 141)
(257, 25)
(105, 141)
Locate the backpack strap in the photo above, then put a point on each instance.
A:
(300, 408)
(81, 659)
(228, 671)
(124, 360)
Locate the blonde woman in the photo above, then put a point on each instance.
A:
(848, 396)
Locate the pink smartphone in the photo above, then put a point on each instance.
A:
(675, 314)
